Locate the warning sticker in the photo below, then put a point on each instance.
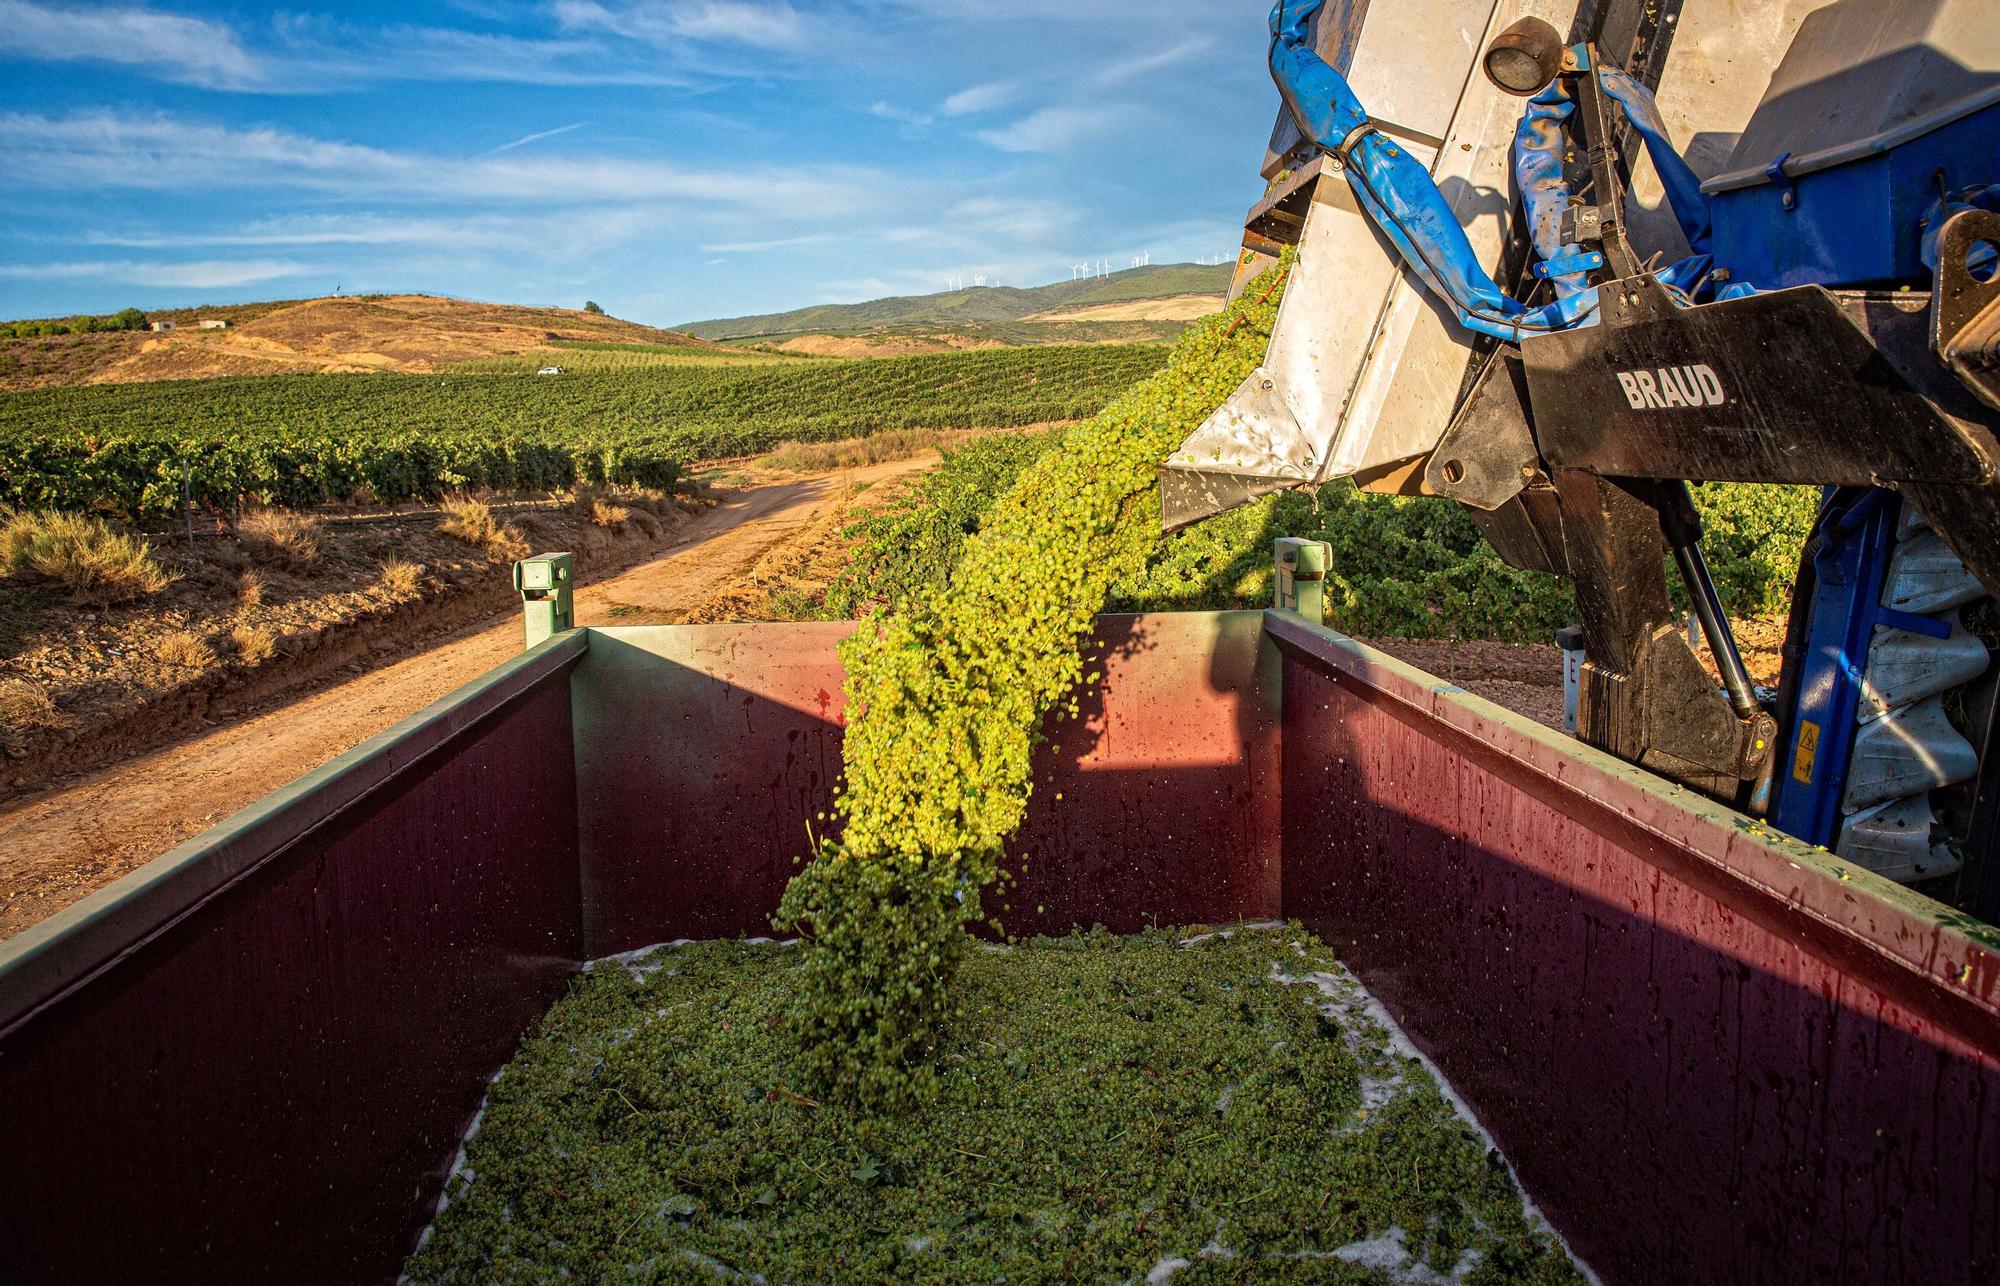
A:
(1808, 756)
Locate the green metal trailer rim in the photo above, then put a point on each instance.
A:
(45, 962)
(1876, 923)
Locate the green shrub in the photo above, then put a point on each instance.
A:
(82, 324)
(1415, 568)
(1753, 540)
(1401, 567)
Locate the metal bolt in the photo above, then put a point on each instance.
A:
(1789, 200)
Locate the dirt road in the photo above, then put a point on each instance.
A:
(60, 847)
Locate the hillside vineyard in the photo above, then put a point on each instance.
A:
(298, 441)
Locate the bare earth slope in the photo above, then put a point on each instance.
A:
(1174, 308)
(979, 304)
(411, 333)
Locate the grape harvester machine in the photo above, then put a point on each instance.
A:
(1515, 291)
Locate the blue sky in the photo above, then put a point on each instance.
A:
(672, 159)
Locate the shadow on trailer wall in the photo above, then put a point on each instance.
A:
(1713, 1054)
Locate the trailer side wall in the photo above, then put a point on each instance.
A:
(255, 1064)
(707, 758)
(1714, 1055)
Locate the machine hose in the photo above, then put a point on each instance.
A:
(1396, 191)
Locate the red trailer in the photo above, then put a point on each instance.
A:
(1712, 1053)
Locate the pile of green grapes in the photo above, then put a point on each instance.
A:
(948, 696)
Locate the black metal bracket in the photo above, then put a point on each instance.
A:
(1602, 222)
(1488, 454)
(1965, 311)
(1644, 696)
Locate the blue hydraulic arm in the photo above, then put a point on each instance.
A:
(1395, 189)
(1403, 200)
(1538, 168)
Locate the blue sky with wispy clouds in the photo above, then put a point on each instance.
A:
(672, 159)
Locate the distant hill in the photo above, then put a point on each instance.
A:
(981, 305)
(410, 333)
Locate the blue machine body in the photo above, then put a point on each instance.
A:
(1850, 569)
(1858, 223)
(1864, 222)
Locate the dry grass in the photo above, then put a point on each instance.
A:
(25, 706)
(592, 507)
(291, 540)
(250, 591)
(254, 646)
(401, 580)
(96, 563)
(184, 649)
(880, 448)
(651, 510)
(472, 521)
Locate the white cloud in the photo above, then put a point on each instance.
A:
(307, 53)
(1052, 129)
(486, 232)
(207, 274)
(565, 208)
(1022, 220)
(855, 289)
(104, 150)
(537, 137)
(762, 247)
(1177, 13)
(179, 48)
(981, 98)
(675, 22)
(901, 115)
(338, 54)
(1142, 64)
